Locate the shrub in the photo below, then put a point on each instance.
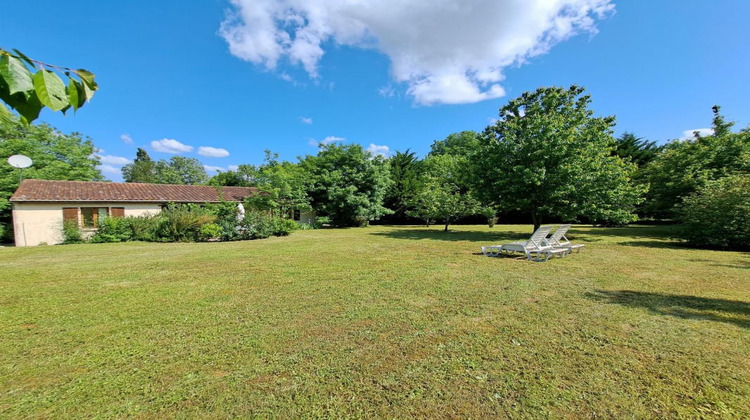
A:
(182, 223)
(143, 228)
(113, 229)
(321, 221)
(258, 225)
(210, 231)
(306, 226)
(71, 232)
(283, 227)
(717, 215)
(490, 214)
(231, 230)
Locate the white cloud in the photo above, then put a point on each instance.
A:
(332, 139)
(387, 91)
(306, 120)
(210, 168)
(170, 146)
(384, 151)
(327, 140)
(233, 167)
(689, 134)
(126, 138)
(109, 169)
(451, 51)
(212, 151)
(114, 160)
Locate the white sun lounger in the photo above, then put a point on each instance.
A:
(535, 249)
(558, 239)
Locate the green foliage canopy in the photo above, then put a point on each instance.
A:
(143, 169)
(28, 91)
(55, 155)
(282, 186)
(347, 183)
(549, 156)
(635, 149)
(441, 195)
(177, 170)
(464, 143)
(717, 214)
(686, 165)
(181, 170)
(405, 174)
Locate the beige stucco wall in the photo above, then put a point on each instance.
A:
(36, 223)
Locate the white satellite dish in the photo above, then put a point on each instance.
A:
(19, 161)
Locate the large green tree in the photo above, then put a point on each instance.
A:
(347, 184)
(404, 169)
(29, 91)
(282, 186)
(143, 169)
(549, 156)
(463, 143)
(441, 194)
(181, 170)
(55, 155)
(177, 170)
(684, 166)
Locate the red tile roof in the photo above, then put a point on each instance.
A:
(42, 190)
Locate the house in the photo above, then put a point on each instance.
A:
(40, 207)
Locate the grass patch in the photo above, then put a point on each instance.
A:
(380, 321)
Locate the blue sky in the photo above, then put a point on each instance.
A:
(247, 75)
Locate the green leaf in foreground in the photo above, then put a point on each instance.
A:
(16, 75)
(24, 57)
(50, 90)
(28, 105)
(88, 78)
(73, 96)
(5, 115)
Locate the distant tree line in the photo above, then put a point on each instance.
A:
(547, 158)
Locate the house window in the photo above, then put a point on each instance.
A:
(90, 216)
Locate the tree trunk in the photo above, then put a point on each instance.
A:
(536, 218)
(446, 226)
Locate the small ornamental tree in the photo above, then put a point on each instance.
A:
(441, 195)
(28, 91)
(549, 156)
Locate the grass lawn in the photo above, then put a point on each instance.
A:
(380, 321)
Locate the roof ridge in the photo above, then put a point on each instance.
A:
(48, 190)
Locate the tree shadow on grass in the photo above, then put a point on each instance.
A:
(744, 265)
(649, 232)
(656, 244)
(490, 238)
(680, 306)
